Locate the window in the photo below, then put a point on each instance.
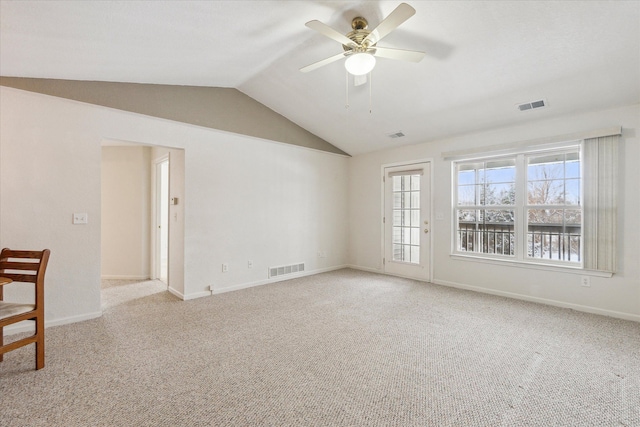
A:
(544, 201)
(553, 207)
(486, 202)
(526, 206)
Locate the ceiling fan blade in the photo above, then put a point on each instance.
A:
(326, 30)
(325, 61)
(390, 23)
(403, 55)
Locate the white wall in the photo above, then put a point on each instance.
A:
(176, 223)
(126, 212)
(245, 198)
(617, 296)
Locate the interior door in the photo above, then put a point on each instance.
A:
(407, 221)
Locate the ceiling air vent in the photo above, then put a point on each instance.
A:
(532, 105)
(398, 134)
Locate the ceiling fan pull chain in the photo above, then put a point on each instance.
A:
(346, 105)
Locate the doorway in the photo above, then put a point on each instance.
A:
(162, 219)
(407, 220)
(142, 223)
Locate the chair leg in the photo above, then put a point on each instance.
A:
(39, 344)
(1, 343)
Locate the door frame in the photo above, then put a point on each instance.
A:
(408, 164)
(155, 242)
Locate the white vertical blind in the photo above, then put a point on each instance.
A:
(600, 203)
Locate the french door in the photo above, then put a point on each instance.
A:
(407, 220)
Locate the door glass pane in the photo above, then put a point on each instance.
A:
(406, 218)
(415, 182)
(415, 236)
(397, 234)
(397, 199)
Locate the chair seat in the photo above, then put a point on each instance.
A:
(8, 309)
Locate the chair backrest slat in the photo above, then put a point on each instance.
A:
(13, 265)
(8, 253)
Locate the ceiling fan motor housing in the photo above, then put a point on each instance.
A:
(359, 33)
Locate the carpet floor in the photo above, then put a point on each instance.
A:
(344, 348)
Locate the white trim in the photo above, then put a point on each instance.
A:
(155, 202)
(196, 295)
(367, 269)
(493, 150)
(555, 303)
(560, 268)
(176, 293)
(124, 277)
(216, 291)
(187, 297)
(29, 326)
(406, 172)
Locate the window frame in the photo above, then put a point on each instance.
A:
(520, 206)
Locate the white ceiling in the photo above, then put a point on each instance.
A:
(483, 58)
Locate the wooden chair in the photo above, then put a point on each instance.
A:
(29, 267)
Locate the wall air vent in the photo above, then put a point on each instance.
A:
(398, 134)
(532, 105)
(286, 269)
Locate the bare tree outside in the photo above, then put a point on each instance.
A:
(554, 213)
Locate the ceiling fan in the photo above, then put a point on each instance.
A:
(360, 45)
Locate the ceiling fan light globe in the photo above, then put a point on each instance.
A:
(359, 64)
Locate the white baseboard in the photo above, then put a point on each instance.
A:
(175, 292)
(115, 277)
(555, 303)
(197, 295)
(29, 326)
(367, 269)
(188, 296)
(217, 291)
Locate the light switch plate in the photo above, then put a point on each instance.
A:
(80, 218)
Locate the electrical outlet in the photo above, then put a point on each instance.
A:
(585, 281)
(225, 267)
(249, 264)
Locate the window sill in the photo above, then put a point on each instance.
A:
(534, 266)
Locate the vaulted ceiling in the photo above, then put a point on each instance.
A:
(483, 58)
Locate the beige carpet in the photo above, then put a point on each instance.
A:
(344, 348)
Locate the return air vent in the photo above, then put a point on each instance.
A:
(285, 269)
(398, 134)
(532, 105)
